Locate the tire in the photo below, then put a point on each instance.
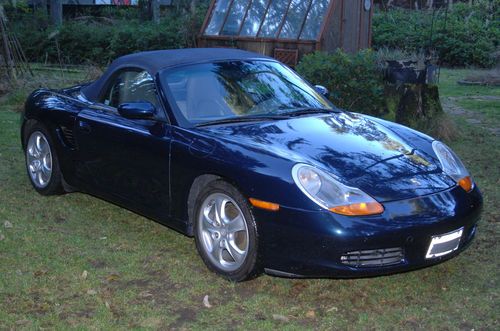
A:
(42, 163)
(226, 240)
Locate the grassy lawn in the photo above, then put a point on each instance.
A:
(74, 261)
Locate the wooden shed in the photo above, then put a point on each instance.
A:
(288, 29)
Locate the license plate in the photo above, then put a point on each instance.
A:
(444, 244)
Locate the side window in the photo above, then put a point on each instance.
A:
(131, 86)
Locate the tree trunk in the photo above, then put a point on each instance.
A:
(43, 6)
(56, 12)
(154, 10)
(450, 4)
(193, 6)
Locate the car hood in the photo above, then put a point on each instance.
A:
(357, 150)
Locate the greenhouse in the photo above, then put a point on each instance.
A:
(287, 29)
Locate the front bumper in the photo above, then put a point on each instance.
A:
(300, 243)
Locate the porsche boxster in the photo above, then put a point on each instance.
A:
(238, 151)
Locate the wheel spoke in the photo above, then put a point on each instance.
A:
(38, 144)
(206, 216)
(220, 209)
(209, 227)
(235, 253)
(39, 178)
(236, 225)
(216, 249)
(44, 148)
(45, 170)
(31, 151)
(45, 177)
(33, 166)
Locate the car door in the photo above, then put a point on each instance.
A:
(126, 160)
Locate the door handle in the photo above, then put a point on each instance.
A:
(84, 127)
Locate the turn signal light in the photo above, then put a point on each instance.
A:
(466, 183)
(359, 209)
(264, 205)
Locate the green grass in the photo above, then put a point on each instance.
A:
(145, 276)
(448, 84)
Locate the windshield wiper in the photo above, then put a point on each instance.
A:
(242, 119)
(307, 111)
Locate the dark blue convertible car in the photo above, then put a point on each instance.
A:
(235, 149)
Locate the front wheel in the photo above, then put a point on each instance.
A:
(225, 232)
(42, 163)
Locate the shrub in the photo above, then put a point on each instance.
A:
(354, 81)
(467, 35)
(101, 40)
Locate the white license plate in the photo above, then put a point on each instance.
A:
(444, 244)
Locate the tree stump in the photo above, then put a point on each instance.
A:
(418, 103)
(418, 106)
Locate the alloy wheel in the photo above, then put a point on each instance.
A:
(223, 232)
(39, 159)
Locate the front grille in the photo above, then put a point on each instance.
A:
(373, 257)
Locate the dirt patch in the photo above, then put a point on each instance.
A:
(186, 316)
(72, 315)
(488, 78)
(140, 283)
(474, 118)
(98, 264)
(246, 290)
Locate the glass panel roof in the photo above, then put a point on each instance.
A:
(235, 18)
(314, 19)
(273, 19)
(290, 19)
(217, 19)
(254, 18)
(295, 19)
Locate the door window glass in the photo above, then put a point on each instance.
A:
(131, 86)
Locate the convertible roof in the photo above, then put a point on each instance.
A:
(154, 61)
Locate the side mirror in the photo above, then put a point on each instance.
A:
(322, 90)
(137, 110)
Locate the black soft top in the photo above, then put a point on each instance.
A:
(154, 61)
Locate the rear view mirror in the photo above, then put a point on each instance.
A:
(137, 110)
(322, 90)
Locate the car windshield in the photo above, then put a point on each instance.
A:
(238, 91)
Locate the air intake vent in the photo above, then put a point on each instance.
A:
(69, 138)
(374, 257)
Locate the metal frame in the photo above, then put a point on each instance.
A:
(245, 16)
(305, 18)
(263, 19)
(208, 17)
(331, 9)
(225, 17)
(258, 39)
(284, 19)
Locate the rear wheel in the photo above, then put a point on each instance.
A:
(225, 232)
(42, 163)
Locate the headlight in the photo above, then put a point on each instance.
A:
(452, 166)
(330, 194)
